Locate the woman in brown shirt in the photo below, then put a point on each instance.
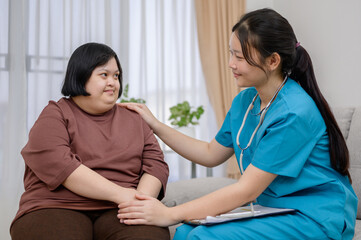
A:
(86, 155)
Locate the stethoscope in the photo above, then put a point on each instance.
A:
(262, 113)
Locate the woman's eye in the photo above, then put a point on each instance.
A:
(103, 74)
(237, 56)
(116, 76)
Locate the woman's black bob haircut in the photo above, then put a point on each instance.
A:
(81, 65)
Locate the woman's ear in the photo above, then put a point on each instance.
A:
(273, 61)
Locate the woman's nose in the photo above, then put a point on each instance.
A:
(111, 81)
(231, 63)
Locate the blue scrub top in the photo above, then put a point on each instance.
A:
(293, 143)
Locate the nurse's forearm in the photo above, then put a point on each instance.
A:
(218, 202)
(87, 183)
(248, 188)
(200, 152)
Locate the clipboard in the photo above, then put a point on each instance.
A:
(240, 213)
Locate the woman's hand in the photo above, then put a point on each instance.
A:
(90, 184)
(126, 195)
(146, 210)
(143, 111)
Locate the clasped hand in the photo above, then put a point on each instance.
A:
(145, 210)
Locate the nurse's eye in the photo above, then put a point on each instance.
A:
(239, 57)
(104, 75)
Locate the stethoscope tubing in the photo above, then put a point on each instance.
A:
(263, 113)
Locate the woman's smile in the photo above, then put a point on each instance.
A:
(110, 91)
(236, 75)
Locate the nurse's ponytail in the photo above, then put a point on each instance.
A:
(302, 72)
(268, 32)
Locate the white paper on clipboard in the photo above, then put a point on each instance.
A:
(240, 213)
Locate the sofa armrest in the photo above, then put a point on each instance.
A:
(186, 190)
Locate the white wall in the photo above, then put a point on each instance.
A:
(330, 30)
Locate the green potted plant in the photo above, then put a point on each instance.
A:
(184, 117)
(125, 97)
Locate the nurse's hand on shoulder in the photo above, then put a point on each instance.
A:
(145, 210)
(143, 111)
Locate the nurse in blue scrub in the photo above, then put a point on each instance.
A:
(285, 138)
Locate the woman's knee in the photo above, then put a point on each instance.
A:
(52, 224)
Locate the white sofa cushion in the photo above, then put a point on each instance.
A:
(354, 147)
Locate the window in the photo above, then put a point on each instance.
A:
(4, 75)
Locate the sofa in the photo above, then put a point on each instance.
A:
(349, 120)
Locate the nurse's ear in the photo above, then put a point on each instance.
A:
(273, 61)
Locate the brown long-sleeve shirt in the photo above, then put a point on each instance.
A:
(118, 145)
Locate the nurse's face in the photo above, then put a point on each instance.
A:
(245, 74)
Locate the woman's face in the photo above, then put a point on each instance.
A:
(103, 87)
(245, 74)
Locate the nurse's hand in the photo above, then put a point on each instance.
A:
(143, 111)
(146, 210)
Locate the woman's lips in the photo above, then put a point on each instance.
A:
(236, 75)
(109, 91)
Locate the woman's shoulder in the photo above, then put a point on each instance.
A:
(128, 115)
(131, 117)
(62, 107)
(52, 112)
(55, 106)
(127, 112)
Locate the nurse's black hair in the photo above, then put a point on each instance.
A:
(267, 32)
(81, 65)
